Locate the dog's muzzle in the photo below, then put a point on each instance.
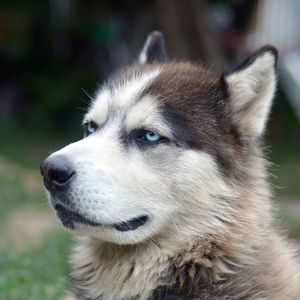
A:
(58, 174)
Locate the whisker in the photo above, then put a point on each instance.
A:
(89, 96)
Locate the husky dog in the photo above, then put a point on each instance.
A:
(168, 190)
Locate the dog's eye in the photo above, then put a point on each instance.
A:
(90, 128)
(148, 137)
(152, 136)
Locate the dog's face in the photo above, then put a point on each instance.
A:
(162, 146)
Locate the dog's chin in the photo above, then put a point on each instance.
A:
(113, 236)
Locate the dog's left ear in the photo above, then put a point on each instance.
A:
(154, 49)
(251, 87)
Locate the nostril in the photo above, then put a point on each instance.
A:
(60, 174)
(57, 171)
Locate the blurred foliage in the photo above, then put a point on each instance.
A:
(28, 146)
(47, 56)
(53, 54)
(283, 148)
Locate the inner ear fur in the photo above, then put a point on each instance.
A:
(154, 49)
(251, 87)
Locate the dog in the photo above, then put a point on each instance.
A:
(168, 189)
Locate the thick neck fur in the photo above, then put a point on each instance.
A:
(203, 271)
(244, 260)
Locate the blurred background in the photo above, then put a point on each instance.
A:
(54, 54)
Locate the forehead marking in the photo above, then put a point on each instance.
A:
(123, 95)
(127, 92)
(145, 114)
(99, 108)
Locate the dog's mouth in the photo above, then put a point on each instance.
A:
(131, 224)
(69, 218)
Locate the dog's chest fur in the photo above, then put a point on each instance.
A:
(105, 272)
(202, 271)
(120, 274)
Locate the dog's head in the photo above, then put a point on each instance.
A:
(164, 142)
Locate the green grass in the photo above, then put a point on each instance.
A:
(35, 273)
(31, 271)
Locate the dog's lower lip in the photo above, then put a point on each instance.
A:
(131, 224)
(69, 218)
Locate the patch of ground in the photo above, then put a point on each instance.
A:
(27, 227)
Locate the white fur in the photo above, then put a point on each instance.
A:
(124, 95)
(99, 108)
(114, 184)
(143, 55)
(102, 193)
(178, 217)
(145, 114)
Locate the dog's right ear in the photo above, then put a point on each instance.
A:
(154, 49)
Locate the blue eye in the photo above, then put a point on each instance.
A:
(148, 137)
(152, 136)
(90, 128)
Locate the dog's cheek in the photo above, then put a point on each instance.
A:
(148, 184)
(199, 181)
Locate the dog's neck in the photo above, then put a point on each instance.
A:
(154, 270)
(202, 270)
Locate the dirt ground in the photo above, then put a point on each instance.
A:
(27, 227)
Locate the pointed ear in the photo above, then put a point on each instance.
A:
(251, 87)
(154, 49)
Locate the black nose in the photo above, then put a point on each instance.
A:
(57, 172)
